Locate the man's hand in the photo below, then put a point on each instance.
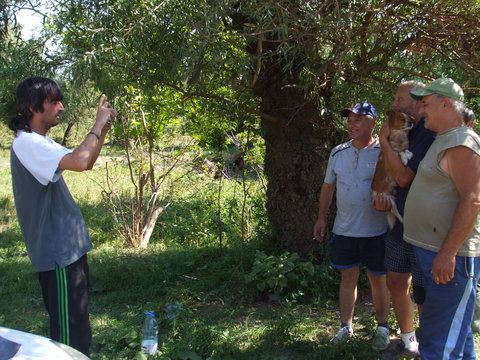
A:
(319, 230)
(105, 113)
(384, 134)
(84, 156)
(443, 268)
(381, 202)
(326, 196)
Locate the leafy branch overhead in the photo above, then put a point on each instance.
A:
(217, 50)
(277, 69)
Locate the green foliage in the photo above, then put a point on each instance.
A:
(176, 55)
(19, 59)
(218, 67)
(284, 275)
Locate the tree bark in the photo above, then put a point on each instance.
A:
(67, 132)
(297, 150)
(150, 225)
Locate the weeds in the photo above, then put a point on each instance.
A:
(282, 276)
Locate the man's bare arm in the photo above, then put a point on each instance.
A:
(85, 155)
(463, 166)
(326, 196)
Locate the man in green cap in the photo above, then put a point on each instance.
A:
(442, 223)
(469, 118)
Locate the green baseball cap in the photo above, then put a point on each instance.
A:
(442, 86)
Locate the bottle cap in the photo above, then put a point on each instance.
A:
(150, 313)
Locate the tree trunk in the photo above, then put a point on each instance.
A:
(298, 144)
(67, 132)
(150, 225)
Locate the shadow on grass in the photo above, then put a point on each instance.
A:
(220, 316)
(208, 283)
(355, 349)
(21, 304)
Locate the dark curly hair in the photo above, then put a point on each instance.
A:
(31, 94)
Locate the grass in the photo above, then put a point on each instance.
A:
(220, 315)
(219, 318)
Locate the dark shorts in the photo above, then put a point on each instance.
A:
(400, 256)
(348, 252)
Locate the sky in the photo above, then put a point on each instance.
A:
(31, 23)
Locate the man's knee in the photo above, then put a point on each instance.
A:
(398, 282)
(350, 277)
(376, 279)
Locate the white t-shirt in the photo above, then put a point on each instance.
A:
(40, 155)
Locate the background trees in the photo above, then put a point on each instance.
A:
(268, 75)
(317, 57)
(279, 69)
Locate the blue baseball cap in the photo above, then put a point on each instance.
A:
(363, 109)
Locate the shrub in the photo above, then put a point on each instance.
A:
(284, 275)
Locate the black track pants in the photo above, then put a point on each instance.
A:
(65, 295)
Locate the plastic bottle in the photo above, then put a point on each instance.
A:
(150, 334)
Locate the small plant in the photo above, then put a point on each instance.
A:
(282, 276)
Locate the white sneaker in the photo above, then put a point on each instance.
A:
(410, 342)
(343, 334)
(381, 339)
(412, 348)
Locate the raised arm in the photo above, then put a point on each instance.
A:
(84, 156)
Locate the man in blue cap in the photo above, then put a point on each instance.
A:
(358, 230)
(442, 223)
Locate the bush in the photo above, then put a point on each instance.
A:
(283, 276)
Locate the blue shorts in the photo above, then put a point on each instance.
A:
(445, 323)
(348, 252)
